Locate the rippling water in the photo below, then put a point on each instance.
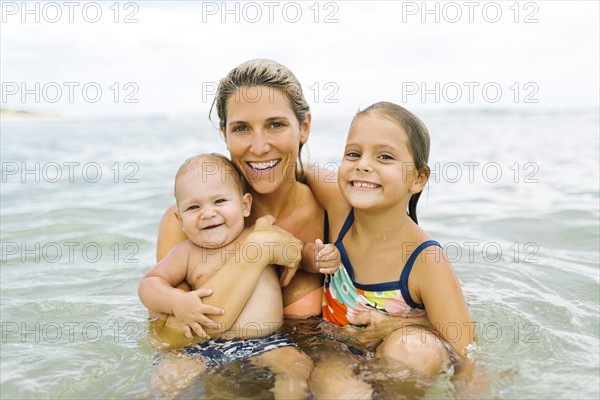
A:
(514, 196)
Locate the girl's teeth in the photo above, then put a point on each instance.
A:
(365, 185)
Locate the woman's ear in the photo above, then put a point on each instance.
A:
(305, 128)
(224, 137)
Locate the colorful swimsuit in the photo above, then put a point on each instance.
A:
(343, 298)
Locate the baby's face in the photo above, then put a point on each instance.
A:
(211, 208)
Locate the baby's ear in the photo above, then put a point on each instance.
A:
(178, 216)
(246, 204)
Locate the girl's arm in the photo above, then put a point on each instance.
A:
(435, 285)
(439, 289)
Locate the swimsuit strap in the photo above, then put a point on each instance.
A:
(326, 229)
(346, 226)
(408, 267)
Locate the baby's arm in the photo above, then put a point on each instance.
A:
(158, 293)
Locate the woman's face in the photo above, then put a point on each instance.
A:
(263, 136)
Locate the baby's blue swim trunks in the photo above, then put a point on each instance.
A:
(223, 351)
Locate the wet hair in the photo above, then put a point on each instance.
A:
(198, 165)
(267, 73)
(418, 140)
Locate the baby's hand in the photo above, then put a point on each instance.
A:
(328, 257)
(189, 310)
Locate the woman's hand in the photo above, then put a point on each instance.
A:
(275, 246)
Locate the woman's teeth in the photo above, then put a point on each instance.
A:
(261, 166)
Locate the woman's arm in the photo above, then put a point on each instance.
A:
(170, 233)
(323, 185)
(232, 285)
(198, 306)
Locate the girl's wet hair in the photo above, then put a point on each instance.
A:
(266, 73)
(418, 140)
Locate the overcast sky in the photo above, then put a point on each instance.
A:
(99, 58)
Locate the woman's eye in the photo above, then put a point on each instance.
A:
(277, 125)
(239, 128)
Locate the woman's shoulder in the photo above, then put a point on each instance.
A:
(169, 233)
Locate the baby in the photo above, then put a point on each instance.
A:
(211, 208)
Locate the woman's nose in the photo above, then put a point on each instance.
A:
(259, 144)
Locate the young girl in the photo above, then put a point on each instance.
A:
(391, 269)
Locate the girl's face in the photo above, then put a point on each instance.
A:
(263, 136)
(378, 171)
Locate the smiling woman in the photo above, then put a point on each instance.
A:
(265, 120)
(264, 138)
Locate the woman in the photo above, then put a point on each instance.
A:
(264, 120)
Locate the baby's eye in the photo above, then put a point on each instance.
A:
(353, 154)
(220, 201)
(194, 207)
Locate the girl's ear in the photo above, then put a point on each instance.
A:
(420, 181)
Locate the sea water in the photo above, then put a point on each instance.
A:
(513, 197)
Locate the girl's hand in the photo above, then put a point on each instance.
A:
(328, 257)
(190, 312)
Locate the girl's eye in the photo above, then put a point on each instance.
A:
(386, 157)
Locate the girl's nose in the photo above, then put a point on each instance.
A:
(364, 164)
